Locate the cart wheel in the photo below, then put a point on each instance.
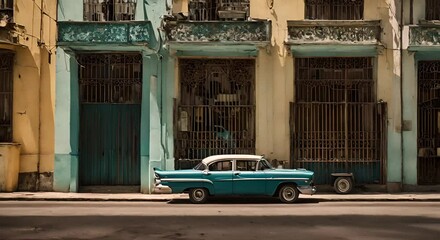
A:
(343, 185)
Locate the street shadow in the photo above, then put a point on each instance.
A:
(219, 227)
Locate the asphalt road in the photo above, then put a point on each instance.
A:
(219, 219)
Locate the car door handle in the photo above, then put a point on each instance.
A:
(237, 173)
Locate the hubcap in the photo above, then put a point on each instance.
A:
(289, 193)
(198, 194)
(343, 185)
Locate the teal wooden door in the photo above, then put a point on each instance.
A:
(109, 144)
(110, 96)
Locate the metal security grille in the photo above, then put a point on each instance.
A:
(6, 96)
(335, 9)
(209, 10)
(335, 124)
(110, 78)
(109, 10)
(428, 166)
(216, 109)
(432, 10)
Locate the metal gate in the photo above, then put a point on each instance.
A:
(6, 95)
(336, 127)
(110, 97)
(428, 163)
(215, 113)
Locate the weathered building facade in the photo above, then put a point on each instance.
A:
(319, 93)
(328, 89)
(27, 77)
(108, 121)
(420, 94)
(329, 85)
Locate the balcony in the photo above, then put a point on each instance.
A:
(346, 37)
(223, 32)
(80, 35)
(426, 36)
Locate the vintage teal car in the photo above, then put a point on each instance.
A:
(235, 175)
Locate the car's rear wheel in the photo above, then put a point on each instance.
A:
(198, 195)
(288, 194)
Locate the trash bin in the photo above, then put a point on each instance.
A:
(9, 166)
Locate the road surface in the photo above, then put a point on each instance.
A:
(219, 219)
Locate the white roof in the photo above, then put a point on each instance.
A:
(227, 156)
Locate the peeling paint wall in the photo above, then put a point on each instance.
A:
(275, 75)
(34, 78)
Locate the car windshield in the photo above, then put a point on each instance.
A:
(201, 166)
(264, 164)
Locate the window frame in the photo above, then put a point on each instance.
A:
(98, 10)
(333, 12)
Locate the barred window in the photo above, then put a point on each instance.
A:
(334, 9)
(109, 10)
(6, 10)
(432, 9)
(211, 10)
(6, 82)
(110, 78)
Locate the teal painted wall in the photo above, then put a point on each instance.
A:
(156, 132)
(410, 62)
(66, 123)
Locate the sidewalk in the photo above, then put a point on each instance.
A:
(323, 197)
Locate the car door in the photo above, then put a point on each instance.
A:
(220, 173)
(247, 179)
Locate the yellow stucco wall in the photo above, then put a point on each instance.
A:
(34, 79)
(275, 70)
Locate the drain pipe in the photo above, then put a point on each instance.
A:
(401, 98)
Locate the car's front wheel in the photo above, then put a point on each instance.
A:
(288, 194)
(198, 195)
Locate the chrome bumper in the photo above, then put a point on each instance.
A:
(309, 190)
(159, 188)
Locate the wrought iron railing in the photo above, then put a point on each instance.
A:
(211, 10)
(334, 80)
(335, 9)
(432, 10)
(6, 96)
(109, 10)
(110, 78)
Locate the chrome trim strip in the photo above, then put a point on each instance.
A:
(299, 179)
(185, 180)
(246, 179)
(270, 179)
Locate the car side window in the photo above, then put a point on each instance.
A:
(246, 165)
(262, 165)
(221, 166)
